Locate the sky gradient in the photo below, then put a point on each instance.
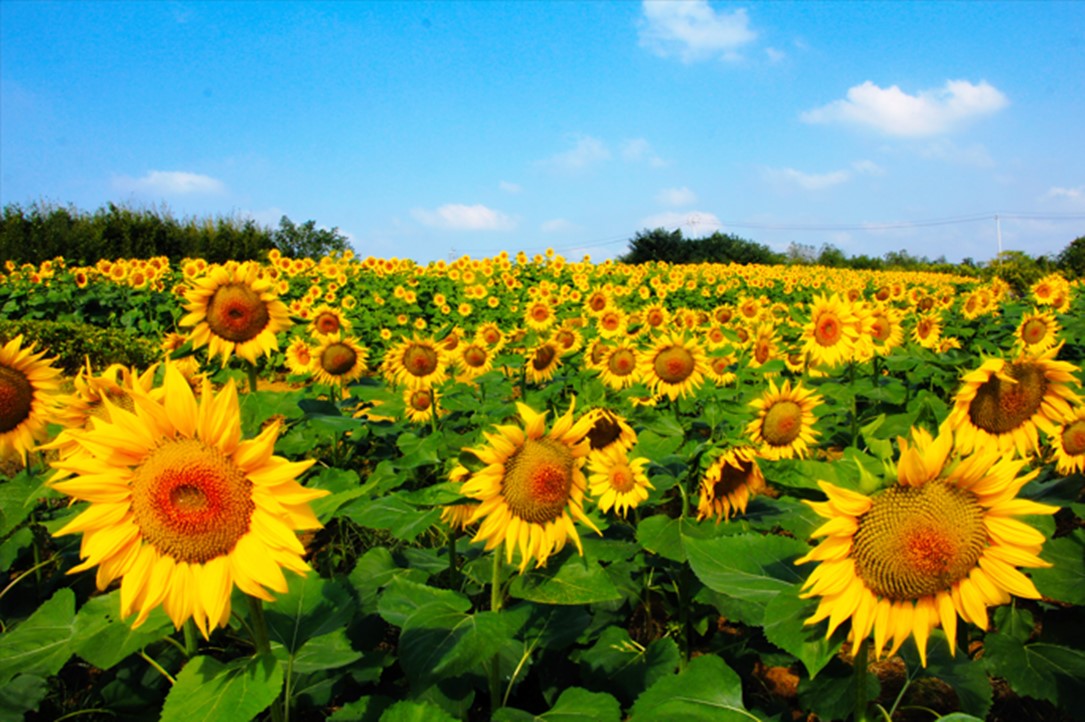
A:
(431, 130)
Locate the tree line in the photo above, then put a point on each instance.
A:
(42, 231)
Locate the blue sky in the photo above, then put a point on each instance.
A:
(422, 129)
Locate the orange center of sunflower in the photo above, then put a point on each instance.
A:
(237, 313)
(654, 318)
(326, 322)
(720, 365)
(674, 364)
(1073, 438)
(742, 334)
(723, 315)
(420, 400)
(879, 330)
(1001, 406)
(918, 541)
(338, 359)
(538, 479)
(611, 321)
(621, 478)
(782, 423)
(924, 328)
(540, 312)
(16, 398)
(828, 329)
(762, 351)
(474, 356)
(543, 357)
(1033, 331)
(491, 336)
(191, 501)
(598, 303)
(622, 362)
(565, 338)
(420, 360)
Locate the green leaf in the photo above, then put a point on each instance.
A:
(750, 567)
(366, 709)
(411, 711)
(572, 580)
(967, 679)
(574, 705)
(21, 695)
(40, 645)
(440, 642)
(102, 638)
(660, 534)
(344, 485)
(832, 695)
(706, 690)
(626, 668)
(328, 651)
(418, 450)
(1014, 621)
(313, 607)
(403, 597)
(959, 717)
(17, 499)
(210, 691)
(652, 446)
(785, 615)
(1042, 671)
(393, 512)
(1065, 579)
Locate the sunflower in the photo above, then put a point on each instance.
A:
(1003, 403)
(611, 323)
(832, 335)
(181, 508)
(115, 383)
(532, 487)
(674, 367)
(417, 362)
(419, 405)
(785, 419)
(235, 312)
(539, 315)
(568, 340)
(1037, 332)
(1068, 443)
(928, 330)
(719, 369)
(299, 357)
(490, 334)
(882, 325)
(474, 359)
(764, 347)
(338, 360)
(940, 543)
(609, 430)
(615, 481)
(543, 361)
(29, 398)
(729, 483)
(618, 366)
(325, 320)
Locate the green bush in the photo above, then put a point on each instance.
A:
(73, 343)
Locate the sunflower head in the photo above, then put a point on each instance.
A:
(29, 398)
(617, 482)
(783, 428)
(674, 367)
(729, 483)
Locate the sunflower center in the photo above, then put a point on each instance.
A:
(491, 336)
(604, 432)
(338, 359)
(540, 313)
(621, 478)
(732, 477)
(1033, 331)
(918, 541)
(237, 313)
(327, 322)
(190, 501)
(782, 423)
(879, 330)
(420, 400)
(16, 398)
(598, 303)
(1073, 438)
(420, 360)
(538, 479)
(544, 355)
(611, 322)
(924, 327)
(622, 362)
(674, 365)
(655, 318)
(565, 338)
(762, 351)
(827, 330)
(1001, 406)
(474, 356)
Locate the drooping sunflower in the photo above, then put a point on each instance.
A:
(938, 544)
(532, 488)
(181, 508)
(615, 481)
(325, 319)
(235, 312)
(1068, 443)
(618, 366)
(115, 383)
(416, 363)
(1037, 332)
(542, 362)
(1003, 403)
(832, 335)
(338, 360)
(674, 367)
(784, 427)
(29, 398)
(729, 483)
(608, 430)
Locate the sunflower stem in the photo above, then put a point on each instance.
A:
(433, 412)
(453, 562)
(191, 640)
(262, 642)
(861, 670)
(252, 378)
(496, 600)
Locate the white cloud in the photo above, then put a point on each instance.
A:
(775, 55)
(677, 197)
(1073, 194)
(637, 150)
(867, 167)
(693, 224)
(820, 181)
(692, 30)
(586, 151)
(893, 112)
(459, 217)
(170, 183)
(557, 225)
(510, 187)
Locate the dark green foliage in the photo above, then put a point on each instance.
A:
(306, 240)
(73, 343)
(662, 245)
(1072, 259)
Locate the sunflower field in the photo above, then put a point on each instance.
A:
(520, 489)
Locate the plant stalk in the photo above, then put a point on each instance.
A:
(261, 640)
(861, 670)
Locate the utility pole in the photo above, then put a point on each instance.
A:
(998, 233)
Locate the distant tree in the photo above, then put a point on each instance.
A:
(1071, 261)
(306, 240)
(657, 244)
(660, 244)
(831, 256)
(1018, 269)
(800, 253)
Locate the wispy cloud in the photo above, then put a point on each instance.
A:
(170, 183)
(692, 224)
(896, 113)
(557, 225)
(676, 197)
(459, 217)
(944, 149)
(1073, 194)
(639, 150)
(821, 181)
(510, 187)
(586, 152)
(692, 30)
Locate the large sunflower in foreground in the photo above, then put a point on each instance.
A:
(181, 508)
(235, 311)
(29, 397)
(784, 427)
(1002, 403)
(939, 544)
(532, 487)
